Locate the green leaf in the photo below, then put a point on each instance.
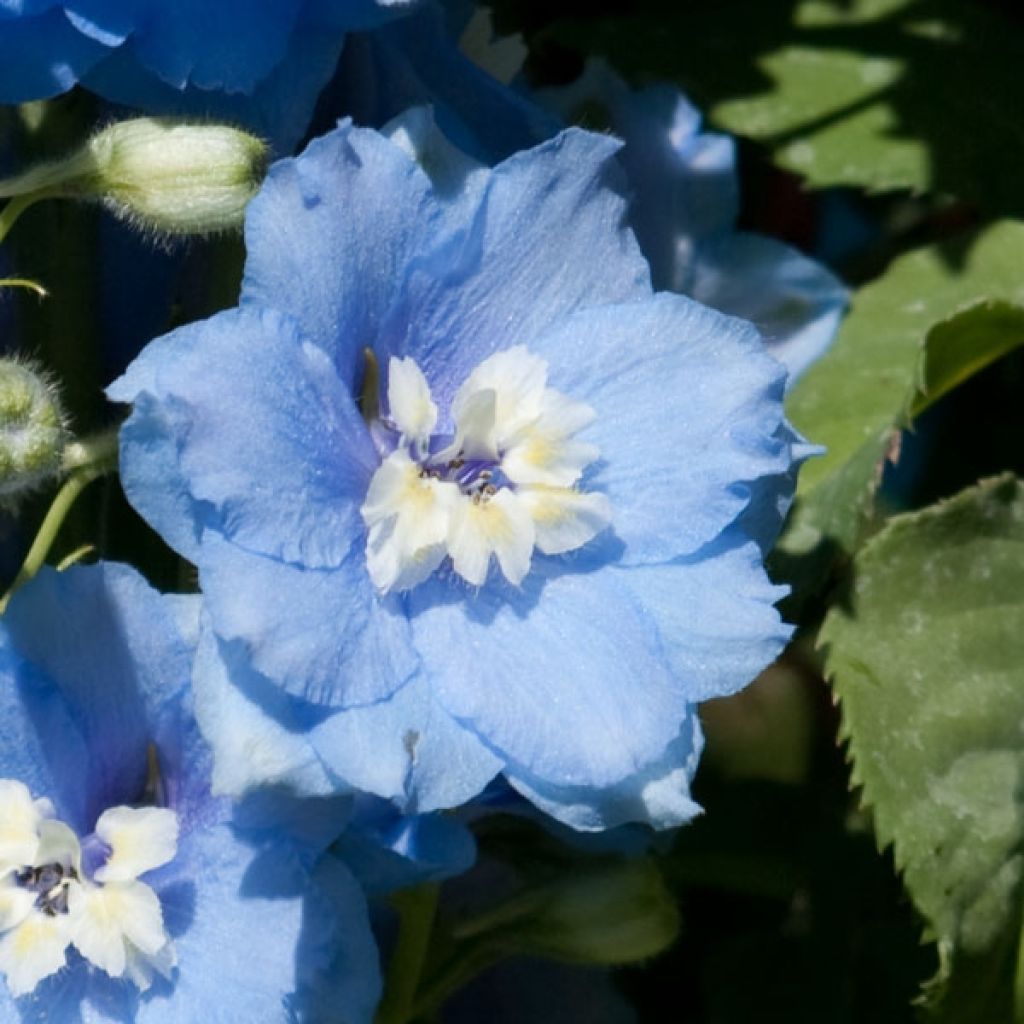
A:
(881, 94)
(927, 660)
(937, 315)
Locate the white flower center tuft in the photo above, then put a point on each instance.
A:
(48, 902)
(506, 482)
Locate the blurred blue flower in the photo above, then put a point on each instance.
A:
(262, 64)
(685, 203)
(616, 452)
(127, 892)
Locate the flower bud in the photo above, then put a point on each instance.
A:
(163, 175)
(607, 913)
(32, 431)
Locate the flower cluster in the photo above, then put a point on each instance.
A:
(476, 487)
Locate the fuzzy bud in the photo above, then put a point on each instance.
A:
(32, 430)
(162, 175)
(605, 913)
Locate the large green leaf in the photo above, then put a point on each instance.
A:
(926, 656)
(920, 94)
(936, 316)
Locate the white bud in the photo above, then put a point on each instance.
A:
(160, 174)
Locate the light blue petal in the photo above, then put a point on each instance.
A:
(505, 281)
(278, 109)
(229, 45)
(387, 850)
(337, 955)
(687, 402)
(716, 614)
(252, 747)
(43, 56)
(329, 235)
(684, 182)
(43, 744)
(409, 749)
(794, 301)
(417, 60)
(564, 678)
(250, 929)
(321, 634)
(770, 500)
(152, 478)
(265, 432)
(117, 661)
(657, 795)
(406, 749)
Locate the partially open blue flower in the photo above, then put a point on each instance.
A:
(685, 203)
(260, 63)
(128, 892)
(528, 551)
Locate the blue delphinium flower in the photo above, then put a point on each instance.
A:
(260, 63)
(127, 892)
(527, 551)
(685, 203)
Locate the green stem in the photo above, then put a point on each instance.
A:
(453, 976)
(14, 209)
(416, 911)
(97, 450)
(84, 461)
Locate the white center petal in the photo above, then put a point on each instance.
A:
(517, 378)
(109, 923)
(19, 824)
(565, 519)
(33, 950)
(140, 839)
(408, 515)
(48, 903)
(412, 409)
(545, 451)
(501, 526)
(16, 903)
(505, 482)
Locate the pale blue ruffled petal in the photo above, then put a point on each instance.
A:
(115, 660)
(406, 749)
(42, 56)
(43, 745)
(687, 406)
(565, 678)
(321, 634)
(684, 210)
(417, 60)
(506, 280)
(218, 895)
(658, 795)
(329, 235)
(717, 638)
(795, 302)
(266, 434)
(251, 746)
(388, 850)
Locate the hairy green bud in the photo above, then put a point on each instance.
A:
(604, 912)
(32, 430)
(162, 175)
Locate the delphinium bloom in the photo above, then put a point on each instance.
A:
(127, 892)
(262, 63)
(684, 207)
(466, 497)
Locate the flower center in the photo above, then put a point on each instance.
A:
(504, 483)
(48, 901)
